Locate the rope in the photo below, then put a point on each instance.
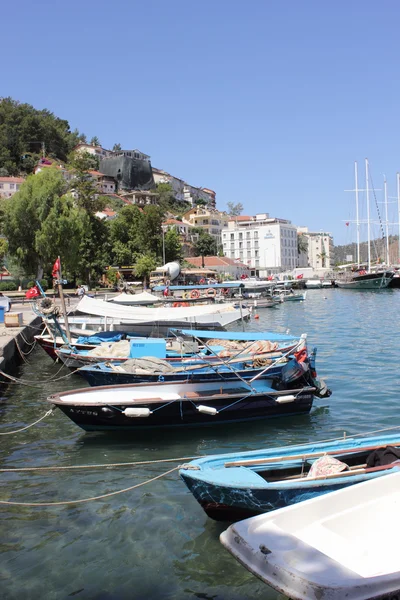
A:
(49, 412)
(82, 500)
(127, 464)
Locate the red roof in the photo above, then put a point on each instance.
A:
(12, 179)
(175, 222)
(216, 261)
(97, 174)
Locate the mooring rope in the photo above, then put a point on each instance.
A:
(82, 500)
(108, 465)
(49, 412)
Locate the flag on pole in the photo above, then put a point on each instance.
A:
(56, 269)
(33, 292)
(347, 223)
(300, 276)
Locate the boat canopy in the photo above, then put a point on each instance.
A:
(142, 298)
(160, 288)
(241, 336)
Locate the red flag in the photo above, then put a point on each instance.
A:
(33, 292)
(347, 223)
(56, 269)
(300, 276)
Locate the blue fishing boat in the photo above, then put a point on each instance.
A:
(235, 486)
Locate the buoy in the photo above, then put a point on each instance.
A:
(284, 399)
(256, 316)
(137, 412)
(208, 410)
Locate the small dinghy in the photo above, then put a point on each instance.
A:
(235, 486)
(340, 546)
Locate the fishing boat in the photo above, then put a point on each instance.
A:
(313, 284)
(341, 545)
(146, 406)
(153, 370)
(289, 295)
(208, 347)
(239, 485)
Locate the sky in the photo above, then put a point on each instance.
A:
(267, 102)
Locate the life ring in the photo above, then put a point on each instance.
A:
(210, 293)
(202, 281)
(225, 291)
(195, 294)
(301, 355)
(47, 307)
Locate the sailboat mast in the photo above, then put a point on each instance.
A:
(398, 207)
(368, 215)
(357, 213)
(387, 222)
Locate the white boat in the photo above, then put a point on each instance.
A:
(142, 299)
(98, 315)
(340, 545)
(313, 284)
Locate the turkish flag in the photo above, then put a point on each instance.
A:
(300, 276)
(33, 292)
(56, 269)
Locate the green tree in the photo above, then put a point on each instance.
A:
(173, 245)
(54, 223)
(83, 185)
(302, 244)
(234, 209)
(117, 148)
(150, 231)
(95, 141)
(25, 132)
(205, 246)
(145, 263)
(125, 235)
(94, 249)
(3, 249)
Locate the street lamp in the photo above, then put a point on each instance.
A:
(164, 229)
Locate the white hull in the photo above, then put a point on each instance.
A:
(313, 284)
(340, 545)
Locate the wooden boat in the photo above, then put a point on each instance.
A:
(288, 295)
(180, 404)
(150, 370)
(216, 345)
(367, 281)
(339, 546)
(239, 485)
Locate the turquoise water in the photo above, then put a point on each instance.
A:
(155, 541)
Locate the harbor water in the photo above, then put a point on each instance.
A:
(155, 541)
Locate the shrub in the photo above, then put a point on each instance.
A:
(8, 286)
(30, 284)
(44, 283)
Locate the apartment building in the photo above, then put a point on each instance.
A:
(320, 254)
(266, 245)
(209, 219)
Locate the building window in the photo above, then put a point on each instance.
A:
(240, 236)
(256, 244)
(205, 221)
(255, 234)
(240, 244)
(257, 263)
(224, 236)
(232, 236)
(256, 253)
(248, 254)
(248, 234)
(248, 244)
(12, 186)
(1, 186)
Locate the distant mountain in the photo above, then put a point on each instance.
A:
(378, 250)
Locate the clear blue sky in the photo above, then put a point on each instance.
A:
(268, 102)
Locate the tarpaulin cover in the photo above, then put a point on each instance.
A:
(104, 336)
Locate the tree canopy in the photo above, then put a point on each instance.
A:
(26, 133)
(234, 209)
(206, 245)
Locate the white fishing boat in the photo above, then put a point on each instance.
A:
(340, 545)
(98, 315)
(313, 284)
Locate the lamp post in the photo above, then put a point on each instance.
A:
(164, 229)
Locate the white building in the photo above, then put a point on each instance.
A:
(183, 191)
(320, 249)
(95, 150)
(10, 185)
(267, 245)
(210, 220)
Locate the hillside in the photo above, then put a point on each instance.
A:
(378, 250)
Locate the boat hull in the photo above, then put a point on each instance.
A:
(109, 416)
(245, 488)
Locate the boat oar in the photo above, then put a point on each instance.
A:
(274, 459)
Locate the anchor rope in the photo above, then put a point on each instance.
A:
(104, 466)
(82, 500)
(49, 412)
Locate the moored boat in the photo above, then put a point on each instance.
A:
(239, 485)
(367, 281)
(180, 404)
(341, 545)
